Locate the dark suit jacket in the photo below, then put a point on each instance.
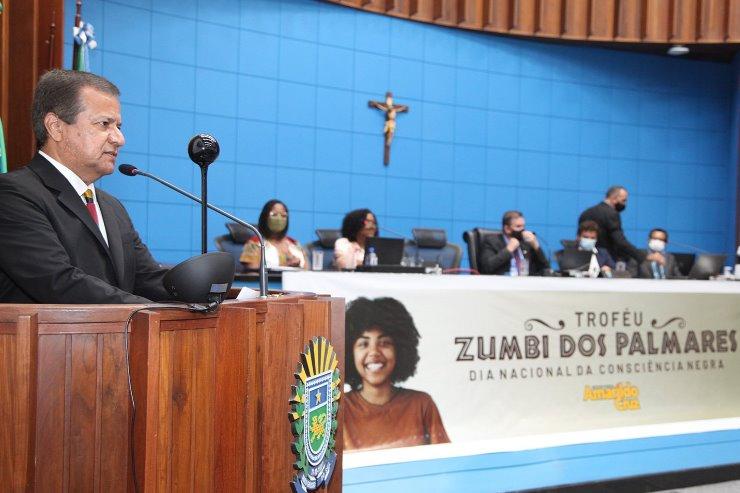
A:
(496, 259)
(611, 235)
(670, 268)
(51, 251)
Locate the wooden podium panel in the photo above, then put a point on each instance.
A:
(17, 399)
(211, 395)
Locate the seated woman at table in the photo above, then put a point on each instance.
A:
(280, 249)
(357, 226)
(382, 350)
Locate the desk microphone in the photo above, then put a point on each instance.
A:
(131, 170)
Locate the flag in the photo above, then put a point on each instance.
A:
(84, 38)
(3, 156)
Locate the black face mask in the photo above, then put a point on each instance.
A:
(517, 234)
(620, 207)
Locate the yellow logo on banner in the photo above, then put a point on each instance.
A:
(624, 394)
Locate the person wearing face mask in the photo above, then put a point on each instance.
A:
(586, 238)
(513, 252)
(611, 236)
(280, 249)
(660, 264)
(357, 227)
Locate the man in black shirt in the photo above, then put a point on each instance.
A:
(611, 235)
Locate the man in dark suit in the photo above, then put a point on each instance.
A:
(663, 264)
(607, 215)
(514, 252)
(63, 240)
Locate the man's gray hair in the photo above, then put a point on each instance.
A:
(614, 189)
(58, 92)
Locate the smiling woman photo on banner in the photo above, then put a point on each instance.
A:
(382, 350)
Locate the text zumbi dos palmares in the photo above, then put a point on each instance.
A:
(602, 343)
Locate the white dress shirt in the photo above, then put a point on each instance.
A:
(80, 188)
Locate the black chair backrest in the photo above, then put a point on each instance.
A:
(239, 234)
(233, 242)
(430, 246)
(474, 238)
(569, 243)
(429, 237)
(685, 262)
(327, 237)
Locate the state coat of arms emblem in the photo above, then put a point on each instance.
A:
(314, 405)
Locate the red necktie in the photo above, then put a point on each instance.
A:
(90, 205)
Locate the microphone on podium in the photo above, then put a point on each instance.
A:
(203, 150)
(131, 170)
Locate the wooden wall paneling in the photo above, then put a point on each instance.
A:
(204, 386)
(81, 421)
(733, 22)
(451, 12)
(18, 356)
(404, 8)
(603, 19)
(473, 14)
(180, 394)
(144, 344)
(378, 5)
(658, 21)
(684, 21)
(498, 16)
(26, 42)
(51, 404)
(631, 19)
(576, 22)
(114, 415)
(712, 21)
(524, 17)
(550, 18)
(282, 341)
(427, 10)
(235, 323)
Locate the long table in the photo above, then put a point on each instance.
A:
(517, 365)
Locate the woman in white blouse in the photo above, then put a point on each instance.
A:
(357, 227)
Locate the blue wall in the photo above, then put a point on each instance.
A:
(495, 123)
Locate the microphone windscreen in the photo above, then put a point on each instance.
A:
(128, 169)
(203, 149)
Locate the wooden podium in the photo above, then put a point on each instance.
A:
(211, 395)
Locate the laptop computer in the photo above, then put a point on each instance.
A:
(707, 265)
(388, 250)
(574, 259)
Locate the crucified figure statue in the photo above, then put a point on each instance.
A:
(391, 110)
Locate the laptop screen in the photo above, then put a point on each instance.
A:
(388, 250)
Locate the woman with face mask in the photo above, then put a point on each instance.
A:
(280, 249)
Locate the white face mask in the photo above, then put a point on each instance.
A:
(656, 245)
(587, 244)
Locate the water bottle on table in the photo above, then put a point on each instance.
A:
(371, 259)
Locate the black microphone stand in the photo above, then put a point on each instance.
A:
(263, 266)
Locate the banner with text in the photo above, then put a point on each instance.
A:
(510, 363)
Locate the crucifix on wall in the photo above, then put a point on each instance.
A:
(391, 110)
